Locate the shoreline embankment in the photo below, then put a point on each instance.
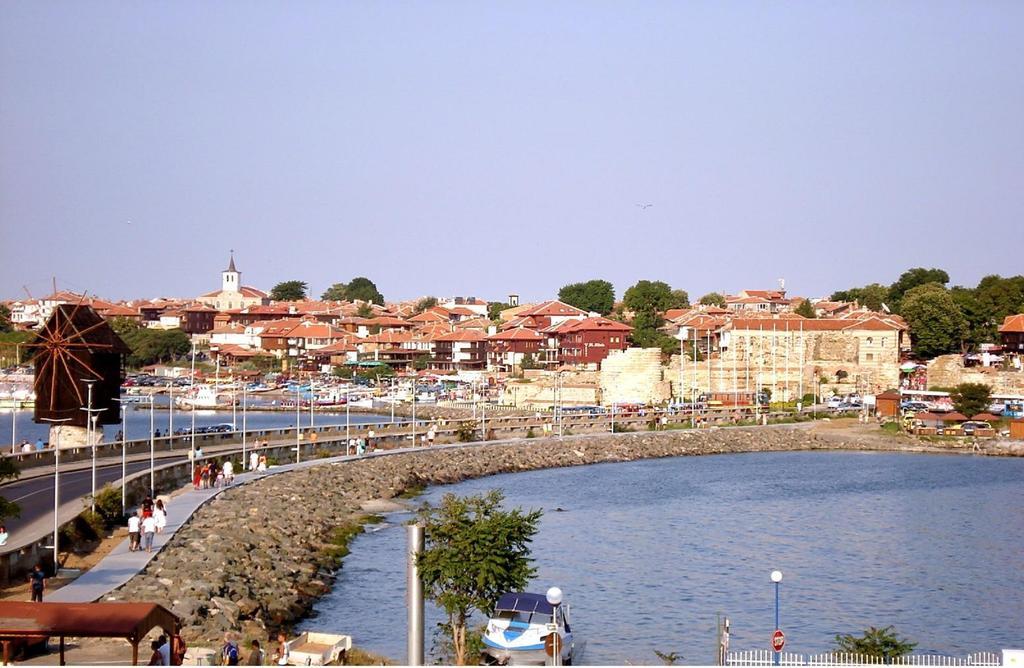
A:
(255, 559)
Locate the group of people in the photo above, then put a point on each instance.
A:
(230, 653)
(143, 526)
(167, 651)
(212, 474)
(25, 446)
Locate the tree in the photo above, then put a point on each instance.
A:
(359, 288)
(680, 299)
(646, 332)
(289, 291)
(14, 348)
(494, 310)
(805, 309)
(713, 299)
(871, 296)
(913, 278)
(475, 552)
(8, 471)
(593, 295)
(880, 643)
(364, 310)
(936, 325)
(5, 319)
(971, 398)
(980, 328)
(150, 346)
(423, 304)
(655, 295)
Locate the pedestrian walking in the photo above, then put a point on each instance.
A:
(229, 652)
(134, 525)
(148, 531)
(254, 460)
(147, 507)
(165, 649)
(3, 535)
(229, 472)
(197, 476)
(204, 476)
(281, 656)
(160, 514)
(39, 444)
(37, 580)
(156, 658)
(255, 654)
(262, 466)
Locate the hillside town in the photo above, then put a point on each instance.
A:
(756, 342)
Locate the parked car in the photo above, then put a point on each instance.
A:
(970, 427)
(835, 403)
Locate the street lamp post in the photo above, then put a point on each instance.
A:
(170, 416)
(554, 597)
(14, 428)
(298, 427)
(192, 433)
(56, 490)
(245, 388)
(90, 427)
(776, 578)
(152, 450)
(124, 450)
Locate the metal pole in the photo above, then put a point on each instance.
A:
(124, 454)
(775, 655)
(192, 434)
(170, 415)
(414, 586)
(14, 428)
(298, 434)
(693, 392)
(152, 450)
(414, 413)
(392, 400)
(56, 487)
(312, 396)
(244, 388)
(90, 425)
(348, 418)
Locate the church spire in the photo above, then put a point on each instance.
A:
(231, 264)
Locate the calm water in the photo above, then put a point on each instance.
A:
(138, 421)
(648, 552)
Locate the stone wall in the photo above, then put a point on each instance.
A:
(949, 371)
(634, 375)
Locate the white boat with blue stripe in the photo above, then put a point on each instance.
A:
(518, 631)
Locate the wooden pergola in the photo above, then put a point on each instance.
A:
(26, 622)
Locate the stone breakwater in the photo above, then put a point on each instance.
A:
(256, 558)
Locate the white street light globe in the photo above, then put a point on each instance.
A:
(554, 596)
(776, 576)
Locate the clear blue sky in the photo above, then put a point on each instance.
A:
(487, 148)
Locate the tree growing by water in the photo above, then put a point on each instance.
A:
(474, 553)
(879, 643)
(971, 398)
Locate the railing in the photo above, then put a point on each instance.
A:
(764, 657)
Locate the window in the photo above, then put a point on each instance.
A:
(871, 340)
(869, 357)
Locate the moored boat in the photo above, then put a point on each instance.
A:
(518, 631)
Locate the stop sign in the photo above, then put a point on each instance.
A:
(778, 640)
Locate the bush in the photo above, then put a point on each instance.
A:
(108, 506)
(881, 643)
(466, 432)
(530, 433)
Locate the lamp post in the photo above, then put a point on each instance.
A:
(554, 597)
(192, 433)
(14, 429)
(152, 450)
(312, 397)
(170, 416)
(90, 426)
(776, 578)
(124, 449)
(245, 387)
(56, 489)
(298, 427)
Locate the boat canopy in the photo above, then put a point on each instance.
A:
(522, 602)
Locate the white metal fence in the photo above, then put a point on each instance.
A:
(764, 657)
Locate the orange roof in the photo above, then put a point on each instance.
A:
(811, 325)
(518, 334)
(466, 336)
(431, 315)
(553, 308)
(387, 321)
(388, 337)
(473, 323)
(596, 323)
(1012, 324)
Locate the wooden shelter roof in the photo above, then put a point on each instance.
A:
(132, 621)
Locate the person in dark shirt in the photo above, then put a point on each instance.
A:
(38, 581)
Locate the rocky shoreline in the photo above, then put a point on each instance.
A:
(255, 559)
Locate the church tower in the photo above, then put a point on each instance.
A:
(230, 277)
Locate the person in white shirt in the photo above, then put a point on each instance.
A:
(133, 532)
(3, 535)
(229, 472)
(165, 649)
(254, 460)
(160, 514)
(148, 531)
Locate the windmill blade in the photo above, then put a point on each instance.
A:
(71, 376)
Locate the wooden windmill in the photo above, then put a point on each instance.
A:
(75, 346)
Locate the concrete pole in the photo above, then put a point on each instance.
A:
(414, 656)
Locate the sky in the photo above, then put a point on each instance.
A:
(488, 148)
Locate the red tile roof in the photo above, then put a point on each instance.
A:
(518, 334)
(596, 323)
(1012, 324)
(553, 308)
(466, 336)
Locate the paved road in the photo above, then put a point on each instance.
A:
(35, 495)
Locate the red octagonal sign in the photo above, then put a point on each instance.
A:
(778, 640)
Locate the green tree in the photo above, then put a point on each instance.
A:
(936, 324)
(880, 643)
(359, 288)
(423, 304)
(364, 310)
(8, 471)
(150, 346)
(652, 294)
(475, 551)
(978, 318)
(713, 299)
(421, 362)
(5, 320)
(529, 362)
(494, 310)
(289, 291)
(971, 398)
(805, 309)
(913, 278)
(593, 295)
(871, 296)
(13, 348)
(646, 332)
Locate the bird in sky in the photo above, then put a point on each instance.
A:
(645, 206)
